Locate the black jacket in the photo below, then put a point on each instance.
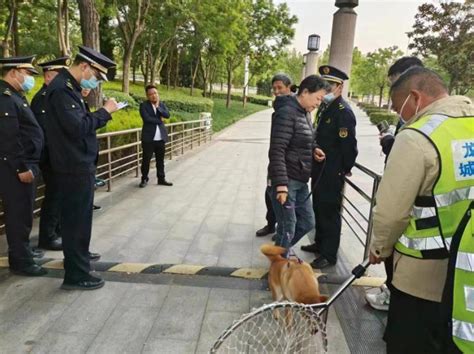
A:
(21, 138)
(291, 142)
(151, 120)
(70, 128)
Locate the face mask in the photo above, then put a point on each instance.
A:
(90, 84)
(403, 106)
(28, 83)
(329, 97)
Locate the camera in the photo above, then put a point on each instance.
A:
(383, 127)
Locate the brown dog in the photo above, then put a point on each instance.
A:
(289, 279)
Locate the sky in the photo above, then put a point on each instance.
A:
(380, 23)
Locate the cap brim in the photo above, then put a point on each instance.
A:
(103, 76)
(33, 71)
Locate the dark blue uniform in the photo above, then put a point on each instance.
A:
(50, 211)
(21, 142)
(336, 136)
(72, 149)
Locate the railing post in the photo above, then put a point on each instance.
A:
(370, 224)
(109, 164)
(192, 135)
(137, 135)
(182, 138)
(171, 142)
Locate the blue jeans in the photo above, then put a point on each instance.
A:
(296, 217)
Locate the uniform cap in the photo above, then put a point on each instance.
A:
(55, 64)
(19, 63)
(97, 60)
(332, 74)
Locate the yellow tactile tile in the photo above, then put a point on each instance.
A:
(56, 264)
(369, 281)
(129, 267)
(4, 262)
(184, 269)
(250, 273)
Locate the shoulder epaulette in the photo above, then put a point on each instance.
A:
(69, 84)
(341, 106)
(7, 92)
(44, 93)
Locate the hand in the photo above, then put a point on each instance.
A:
(26, 177)
(111, 105)
(373, 259)
(282, 194)
(348, 174)
(319, 155)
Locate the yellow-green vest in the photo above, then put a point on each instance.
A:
(447, 216)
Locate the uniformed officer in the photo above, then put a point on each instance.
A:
(336, 137)
(72, 148)
(21, 142)
(49, 236)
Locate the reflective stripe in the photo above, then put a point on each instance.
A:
(454, 196)
(433, 122)
(469, 296)
(463, 330)
(447, 241)
(422, 243)
(465, 261)
(419, 212)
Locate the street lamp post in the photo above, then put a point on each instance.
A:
(312, 57)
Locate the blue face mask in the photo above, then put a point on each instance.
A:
(28, 83)
(329, 97)
(90, 84)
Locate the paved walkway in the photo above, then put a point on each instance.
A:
(208, 217)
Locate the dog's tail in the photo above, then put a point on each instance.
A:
(273, 253)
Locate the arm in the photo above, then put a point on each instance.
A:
(401, 183)
(347, 138)
(164, 113)
(73, 119)
(282, 131)
(146, 117)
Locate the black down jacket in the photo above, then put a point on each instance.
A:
(291, 142)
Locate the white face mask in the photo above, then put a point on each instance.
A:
(403, 106)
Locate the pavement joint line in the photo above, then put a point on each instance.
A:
(189, 269)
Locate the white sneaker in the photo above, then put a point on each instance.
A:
(379, 301)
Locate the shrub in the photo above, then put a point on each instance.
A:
(120, 97)
(377, 117)
(257, 99)
(181, 102)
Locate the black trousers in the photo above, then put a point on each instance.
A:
(18, 201)
(271, 218)
(150, 148)
(76, 194)
(414, 325)
(328, 228)
(50, 210)
(388, 263)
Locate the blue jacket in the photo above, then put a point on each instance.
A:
(70, 129)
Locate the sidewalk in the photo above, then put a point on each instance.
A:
(208, 218)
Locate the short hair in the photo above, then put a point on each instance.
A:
(313, 83)
(283, 78)
(403, 64)
(77, 60)
(422, 79)
(149, 87)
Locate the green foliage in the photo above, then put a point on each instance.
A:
(120, 97)
(445, 31)
(222, 117)
(257, 99)
(377, 117)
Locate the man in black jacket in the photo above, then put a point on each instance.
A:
(72, 148)
(335, 135)
(49, 235)
(154, 135)
(21, 142)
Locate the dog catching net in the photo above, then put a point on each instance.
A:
(284, 327)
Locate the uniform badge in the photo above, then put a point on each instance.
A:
(7, 92)
(69, 84)
(343, 133)
(328, 120)
(326, 70)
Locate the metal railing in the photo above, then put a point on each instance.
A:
(120, 152)
(362, 223)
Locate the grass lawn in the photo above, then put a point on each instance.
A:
(223, 117)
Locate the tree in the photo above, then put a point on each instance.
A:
(63, 27)
(10, 24)
(446, 31)
(131, 18)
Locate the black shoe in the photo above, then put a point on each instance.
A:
(266, 230)
(36, 253)
(143, 183)
(33, 270)
(311, 248)
(96, 207)
(89, 284)
(321, 262)
(53, 245)
(164, 182)
(94, 256)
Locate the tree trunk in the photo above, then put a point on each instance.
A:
(134, 72)
(127, 58)
(229, 86)
(176, 76)
(61, 28)
(16, 36)
(89, 18)
(380, 96)
(194, 74)
(8, 28)
(168, 69)
(66, 27)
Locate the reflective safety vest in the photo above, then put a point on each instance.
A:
(447, 217)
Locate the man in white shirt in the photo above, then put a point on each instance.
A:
(154, 135)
